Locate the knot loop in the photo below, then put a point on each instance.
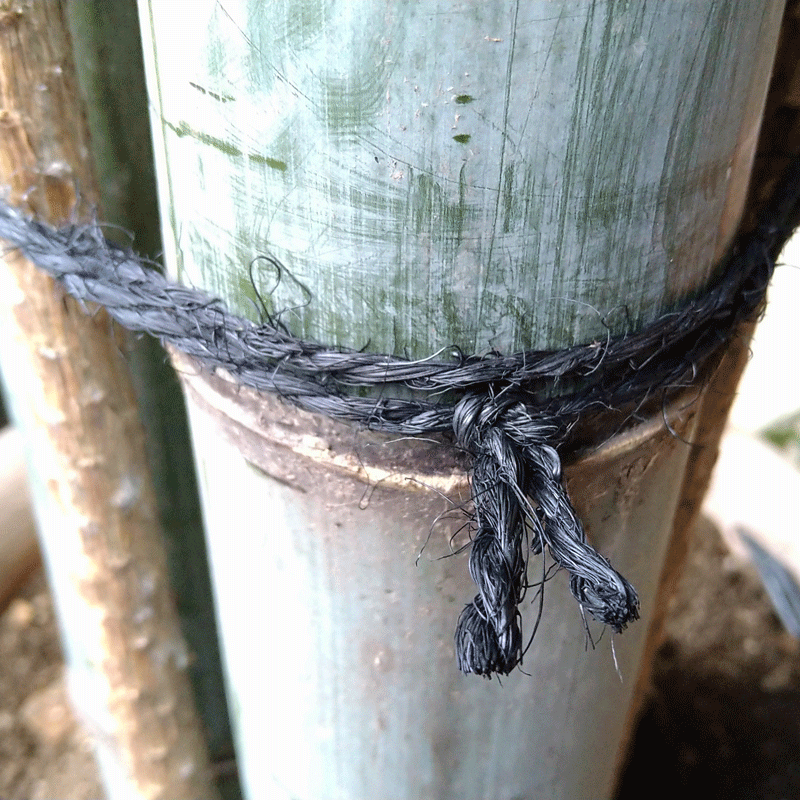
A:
(476, 413)
(521, 507)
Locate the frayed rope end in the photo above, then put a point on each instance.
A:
(521, 506)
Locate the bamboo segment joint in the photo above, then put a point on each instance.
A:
(511, 413)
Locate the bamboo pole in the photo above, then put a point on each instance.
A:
(543, 174)
(71, 394)
(110, 73)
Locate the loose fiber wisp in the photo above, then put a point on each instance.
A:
(520, 506)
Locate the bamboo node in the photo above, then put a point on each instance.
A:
(511, 412)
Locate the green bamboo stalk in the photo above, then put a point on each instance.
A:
(503, 176)
(489, 179)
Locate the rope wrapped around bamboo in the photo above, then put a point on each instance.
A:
(512, 413)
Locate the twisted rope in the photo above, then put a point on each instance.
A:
(520, 505)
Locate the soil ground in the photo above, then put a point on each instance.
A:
(722, 718)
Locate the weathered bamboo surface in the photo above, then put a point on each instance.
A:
(338, 586)
(71, 394)
(110, 73)
(499, 176)
(493, 191)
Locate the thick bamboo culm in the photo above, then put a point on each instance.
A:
(71, 395)
(521, 175)
(110, 73)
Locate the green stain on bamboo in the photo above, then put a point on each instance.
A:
(565, 210)
(222, 98)
(454, 215)
(508, 198)
(247, 291)
(183, 129)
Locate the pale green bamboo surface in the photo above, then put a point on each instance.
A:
(489, 176)
(337, 610)
(499, 175)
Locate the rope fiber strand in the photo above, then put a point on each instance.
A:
(520, 506)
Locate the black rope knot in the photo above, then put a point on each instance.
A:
(521, 506)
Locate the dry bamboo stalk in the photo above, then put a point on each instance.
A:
(72, 394)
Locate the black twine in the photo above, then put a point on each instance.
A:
(520, 504)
